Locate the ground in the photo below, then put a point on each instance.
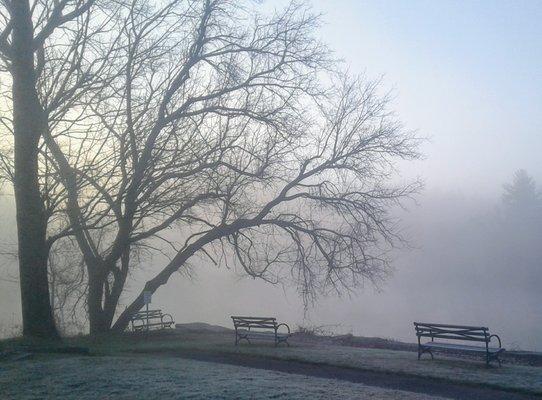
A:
(132, 377)
(206, 364)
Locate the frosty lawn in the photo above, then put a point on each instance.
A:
(148, 377)
(511, 377)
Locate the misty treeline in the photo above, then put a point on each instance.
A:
(498, 242)
(191, 129)
(479, 258)
(507, 238)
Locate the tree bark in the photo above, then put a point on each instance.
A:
(29, 121)
(96, 314)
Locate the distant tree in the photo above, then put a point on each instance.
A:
(234, 129)
(521, 197)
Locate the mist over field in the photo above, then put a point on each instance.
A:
(472, 86)
(468, 263)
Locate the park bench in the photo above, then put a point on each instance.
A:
(151, 320)
(259, 328)
(458, 333)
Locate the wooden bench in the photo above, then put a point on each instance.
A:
(460, 333)
(151, 320)
(259, 328)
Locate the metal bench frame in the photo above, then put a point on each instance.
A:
(259, 328)
(151, 319)
(457, 332)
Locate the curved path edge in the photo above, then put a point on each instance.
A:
(386, 380)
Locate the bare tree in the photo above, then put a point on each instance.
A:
(234, 129)
(43, 44)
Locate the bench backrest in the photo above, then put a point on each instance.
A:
(453, 332)
(254, 322)
(150, 314)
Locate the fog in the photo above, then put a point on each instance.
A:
(469, 78)
(470, 261)
(470, 266)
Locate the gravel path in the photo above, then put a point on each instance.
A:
(432, 387)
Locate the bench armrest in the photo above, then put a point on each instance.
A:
(169, 316)
(498, 338)
(283, 324)
(137, 323)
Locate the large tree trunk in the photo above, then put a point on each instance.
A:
(29, 121)
(96, 314)
(102, 304)
(177, 262)
(163, 276)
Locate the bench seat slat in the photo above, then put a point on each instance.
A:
(149, 312)
(144, 316)
(429, 325)
(157, 323)
(165, 324)
(470, 332)
(455, 337)
(255, 334)
(263, 337)
(144, 323)
(147, 318)
(463, 347)
(150, 316)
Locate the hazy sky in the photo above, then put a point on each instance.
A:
(466, 74)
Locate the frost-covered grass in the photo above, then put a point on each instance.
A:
(515, 377)
(511, 377)
(521, 378)
(155, 377)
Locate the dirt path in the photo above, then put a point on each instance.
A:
(429, 386)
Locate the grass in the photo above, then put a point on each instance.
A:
(510, 377)
(151, 376)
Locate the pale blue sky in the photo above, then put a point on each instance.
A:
(466, 74)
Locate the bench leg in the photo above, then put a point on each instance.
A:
(496, 358)
(238, 340)
(279, 341)
(421, 350)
